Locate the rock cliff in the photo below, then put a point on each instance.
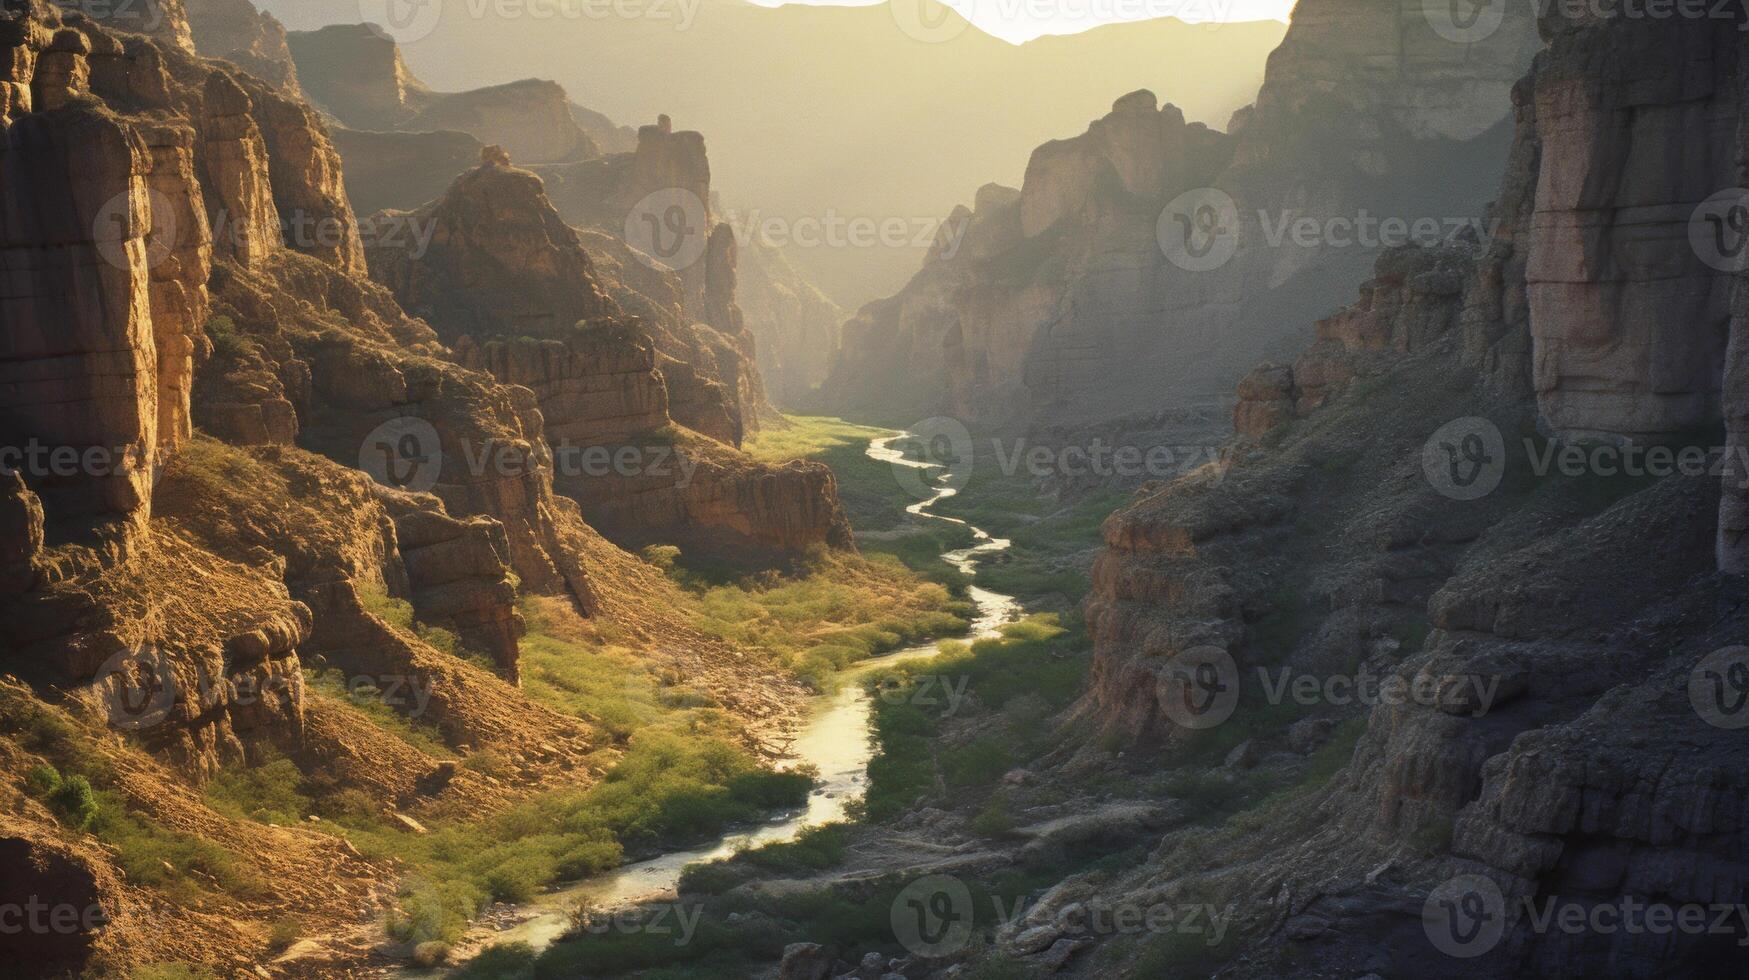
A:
(1387, 514)
(356, 72)
(244, 475)
(1151, 255)
(513, 288)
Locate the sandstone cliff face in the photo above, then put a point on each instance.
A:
(1098, 298)
(500, 262)
(512, 285)
(253, 41)
(356, 72)
(1558, 621)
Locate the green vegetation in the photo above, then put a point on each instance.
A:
(1025, 675)
(333, 683)
(399, 613)
(71, 798)
(846, 610)
(872, 498)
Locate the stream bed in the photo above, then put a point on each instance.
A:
(834, 739)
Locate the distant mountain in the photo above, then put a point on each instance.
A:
(822, 112)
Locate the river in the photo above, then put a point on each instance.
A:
(834, 739)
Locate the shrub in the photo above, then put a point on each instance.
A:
(75, 802)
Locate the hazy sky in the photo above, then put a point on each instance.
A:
(1017, 21)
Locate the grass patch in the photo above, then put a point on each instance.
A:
(1026, 674)
(844, 609)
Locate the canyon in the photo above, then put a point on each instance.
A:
(474, 397)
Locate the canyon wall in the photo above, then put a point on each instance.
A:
(1562, 623)
(1151, 260)
(513, 289)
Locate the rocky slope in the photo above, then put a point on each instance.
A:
(1080, 296)
(356, 72)
(213, 382)
(403, 145)
(512, 288)
(1562, 624)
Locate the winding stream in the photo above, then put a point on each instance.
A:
(834, 739)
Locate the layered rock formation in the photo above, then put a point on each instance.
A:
(356, 72)
(248, 38)
(183, 263)
(512, 287)
(1091, 294)
(1562, 625)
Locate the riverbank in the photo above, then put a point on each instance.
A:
(833, 745)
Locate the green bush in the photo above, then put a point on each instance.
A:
(75, 802)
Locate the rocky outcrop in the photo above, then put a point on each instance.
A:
(1413, 301)
(246, 37)
(512, 286)
(388, 171)
(500, 262)
(668, 259)
(356, 72)
(1563, 627)
(1149, 254)
(106, 297)
(531, 118)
